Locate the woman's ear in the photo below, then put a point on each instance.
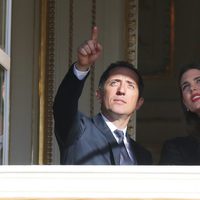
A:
(185, 105)
(139, 103)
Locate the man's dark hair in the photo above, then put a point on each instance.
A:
(121, 64)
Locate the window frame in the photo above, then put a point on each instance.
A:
(5, 61)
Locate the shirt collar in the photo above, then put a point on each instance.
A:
(112, 126)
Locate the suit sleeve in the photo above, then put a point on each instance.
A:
(65, 107)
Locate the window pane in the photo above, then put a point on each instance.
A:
(2, 95)
(2, 23)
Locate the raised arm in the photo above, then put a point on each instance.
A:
(66, 101)
(89, 51)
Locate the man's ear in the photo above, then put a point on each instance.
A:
(139, 103)
(98, 95)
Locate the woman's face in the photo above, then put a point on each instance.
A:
(190, 88)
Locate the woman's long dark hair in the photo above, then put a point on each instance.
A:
(192, 119)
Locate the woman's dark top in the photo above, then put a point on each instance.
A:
(181, 151)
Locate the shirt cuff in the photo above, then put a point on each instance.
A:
(80, 74)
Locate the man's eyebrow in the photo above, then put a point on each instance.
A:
(131, 82)
(114, 79)
(196, 77)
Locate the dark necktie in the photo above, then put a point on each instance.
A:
(124, 156)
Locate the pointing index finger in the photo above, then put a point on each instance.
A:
(94, 35)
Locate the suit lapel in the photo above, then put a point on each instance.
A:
(104, 129)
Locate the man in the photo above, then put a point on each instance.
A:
(97, 140)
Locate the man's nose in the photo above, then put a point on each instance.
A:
(121, 89)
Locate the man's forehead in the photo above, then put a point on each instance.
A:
(124, 72)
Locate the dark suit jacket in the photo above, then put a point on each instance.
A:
(181, 151)
(84, 140)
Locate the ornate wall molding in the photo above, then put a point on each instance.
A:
(50, 80)
(46, 81)
(132, 35)
(71, 30)
(132, 24)
(92, 74)
(42, 71)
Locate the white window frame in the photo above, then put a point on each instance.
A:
(5, 63)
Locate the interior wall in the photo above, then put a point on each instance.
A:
(24, 82)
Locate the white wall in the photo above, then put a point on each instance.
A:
(24, 81)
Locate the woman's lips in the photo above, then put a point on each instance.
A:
(195, 97)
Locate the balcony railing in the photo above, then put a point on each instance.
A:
(99, 182)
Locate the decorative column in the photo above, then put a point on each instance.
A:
(92, 74)
(132, 37)
(46, 74)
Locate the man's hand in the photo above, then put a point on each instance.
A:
(89, 52)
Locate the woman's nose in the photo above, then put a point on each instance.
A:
(193, 87)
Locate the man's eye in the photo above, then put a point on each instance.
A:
(131, 86)
(113, 83)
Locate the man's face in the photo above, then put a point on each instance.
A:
(120, 93)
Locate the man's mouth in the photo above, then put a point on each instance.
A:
(119, 100)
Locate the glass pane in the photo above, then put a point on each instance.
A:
(2, 23)
(2, 95)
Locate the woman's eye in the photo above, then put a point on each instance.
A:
(185, 87)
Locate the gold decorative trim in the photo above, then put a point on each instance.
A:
(71, 30)
(93, 13)
(42, 72)
(131, 7)
(132, 31)
(92, 73)
(50, 81)
(46, 72)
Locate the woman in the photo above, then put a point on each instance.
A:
(186, 150)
